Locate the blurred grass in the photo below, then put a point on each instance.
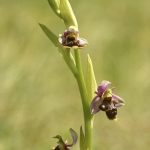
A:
(35, 101)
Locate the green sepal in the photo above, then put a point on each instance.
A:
(82, 140)
(67, 14)
(55, 7)
(90, 80)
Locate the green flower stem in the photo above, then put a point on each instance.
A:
(88, 121)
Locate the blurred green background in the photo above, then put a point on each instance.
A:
(39, 97)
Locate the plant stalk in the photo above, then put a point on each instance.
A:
(88, 118)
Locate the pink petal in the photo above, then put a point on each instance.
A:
(94, 107)
(115, 97)
(74, 137)
(102, 87)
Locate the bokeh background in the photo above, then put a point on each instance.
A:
(39, 97)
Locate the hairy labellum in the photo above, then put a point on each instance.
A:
(71, 41)
(109, 107)
(112, 114)
(107, 104)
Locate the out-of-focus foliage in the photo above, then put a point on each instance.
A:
(39, 97)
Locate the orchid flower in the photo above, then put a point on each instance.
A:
(64, 145)
(106, 101)
(70, 39)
